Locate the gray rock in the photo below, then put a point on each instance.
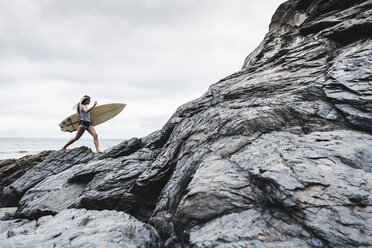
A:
(12, 169)
(322, 178)
(125, 148)
(55, 163)
(98, 184)
(79, 228)
(253, 228)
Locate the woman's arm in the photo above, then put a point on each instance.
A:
(89, 109)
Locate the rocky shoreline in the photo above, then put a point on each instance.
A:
(12, 169)
(275, 155)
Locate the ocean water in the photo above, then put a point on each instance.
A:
(19, 147)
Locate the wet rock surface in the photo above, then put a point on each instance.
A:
(79, 228)
(260, 228)
(275, 155)
(55, 163)
(12, 169)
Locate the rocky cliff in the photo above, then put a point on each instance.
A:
(275, 155)
(12, 169)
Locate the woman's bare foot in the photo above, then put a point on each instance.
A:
(99, 151)
(65, 150)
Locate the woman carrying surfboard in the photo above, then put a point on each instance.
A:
(84, 123)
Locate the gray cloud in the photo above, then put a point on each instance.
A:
(153, 55)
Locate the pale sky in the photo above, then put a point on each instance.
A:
(153, 55)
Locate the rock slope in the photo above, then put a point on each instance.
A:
(12, 169)
(275, 155)
(79, 228)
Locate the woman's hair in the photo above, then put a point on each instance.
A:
(78, 105)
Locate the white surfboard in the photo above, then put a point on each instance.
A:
(98, 115)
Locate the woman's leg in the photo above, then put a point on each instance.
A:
(79, 133)
(93, 132)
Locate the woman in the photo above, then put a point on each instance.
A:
(85, 123)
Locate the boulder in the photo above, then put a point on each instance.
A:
(79, 228)
(12, 169)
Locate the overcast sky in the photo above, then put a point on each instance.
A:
(153, 55)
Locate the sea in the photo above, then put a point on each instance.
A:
(19, 147)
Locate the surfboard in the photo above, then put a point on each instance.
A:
(98, 115)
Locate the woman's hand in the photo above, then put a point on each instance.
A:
(95, 103)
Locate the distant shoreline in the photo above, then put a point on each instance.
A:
(15, 148)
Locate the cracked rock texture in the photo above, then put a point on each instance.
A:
(12, 169)
(275, 155)
(79, 228)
